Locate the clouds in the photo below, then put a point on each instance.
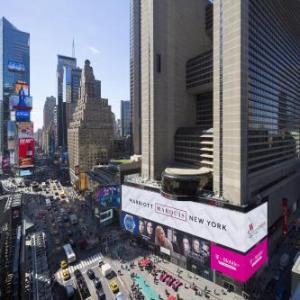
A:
(94, 50)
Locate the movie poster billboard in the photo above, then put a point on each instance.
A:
(108, 196)
(169, 239)
(26, 153)
(11, 135)
(5, 163)
(25, 130)
(22, 86)
(20, 102)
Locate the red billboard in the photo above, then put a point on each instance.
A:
(26, 153)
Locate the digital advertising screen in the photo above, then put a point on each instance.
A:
(26, 153)
(15, 66)
(26, 172)
(25, 130)
(22, 86)
(234, 229)
(5, 162)
(11, 134)
(108, 196)
(20, 102)
(22, 115)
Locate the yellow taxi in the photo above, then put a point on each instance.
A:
(66, 275)
(63, 264)
(114, 286)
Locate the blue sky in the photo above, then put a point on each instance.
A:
(101, 32)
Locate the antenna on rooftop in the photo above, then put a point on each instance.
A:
(73, 48)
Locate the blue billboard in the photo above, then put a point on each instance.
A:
(22, 115)
(108, 196)
(129, 223)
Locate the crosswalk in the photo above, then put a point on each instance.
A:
(81, 265)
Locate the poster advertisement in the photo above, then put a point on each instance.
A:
(5, 163)
(20, 102)
(11, 135)
(238, 266)
(108, 196)
(25, 130)
(171, 239)
(15, 66)
(22, 86)
(26, 153)
(22, 115)
(231, 228)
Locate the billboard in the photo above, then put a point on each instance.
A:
(234, 229)
(26, 153)
(238, 266)
(12, 157)
(15, 66)
(25, 130)
(11, 135)
(20, 85)
(170, 240)
(5, 162)
(108, 196)
(22, 115)
(26, 172)
(20, 102)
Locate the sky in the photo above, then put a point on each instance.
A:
(100, 29)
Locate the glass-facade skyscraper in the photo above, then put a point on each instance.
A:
(125, 117)
(14, 66)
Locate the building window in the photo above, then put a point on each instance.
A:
(158, 63)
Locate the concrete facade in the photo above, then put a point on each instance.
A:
(91, 130)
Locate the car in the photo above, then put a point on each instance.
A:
(114, 286)
(97, 284)
(100, 295)
(66, 275)
(90, 273)
(111, 275)
(63, 264)
(77, 273)
(101, 263)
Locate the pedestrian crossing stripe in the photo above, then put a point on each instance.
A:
(81, 265)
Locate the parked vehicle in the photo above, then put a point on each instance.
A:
(90, 273)
(106, 269)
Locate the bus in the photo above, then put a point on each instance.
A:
(71, 257)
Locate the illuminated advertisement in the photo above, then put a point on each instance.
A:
(26, 172)
(12, 157)
(15, 66)
(20, 102)
(25, 130)
(26, 153)
(22, 86)
(5, 162)
(108, 196)
(234, 229)
(22, 115)
(106, 216)
(191, 247)
(238, 266)
(11, 135)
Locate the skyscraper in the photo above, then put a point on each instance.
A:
(220, 110)
(65, 65)
(135, 73)
(14, 66)
(49, 126)
(126, 117)
(91, 129)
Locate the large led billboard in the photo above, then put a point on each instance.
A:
(15, 66)
(26, 153)
(238, 266)
(11, 135)
(108, 196)
(22, 87)
(234, 229)
(170, 240)
(20, 103)
(25, 130)
(22, 115)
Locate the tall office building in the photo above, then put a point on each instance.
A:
(49, 126)
(125, 117)
(220, 109)
(91, 130)
(65, 65)
(135, 73)
(14, 66)
(98, 89)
